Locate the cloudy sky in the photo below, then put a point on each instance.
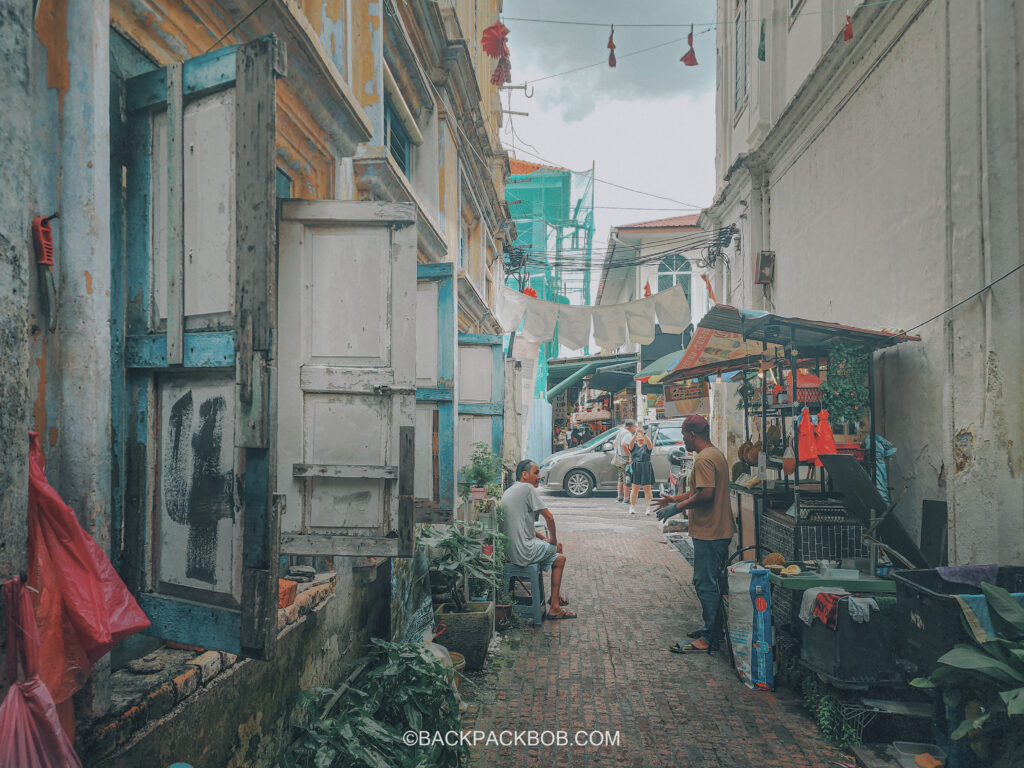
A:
(647, 124)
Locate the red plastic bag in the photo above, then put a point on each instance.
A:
(30, 732)
(83, 607)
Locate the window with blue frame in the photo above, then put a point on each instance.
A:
(397, 139)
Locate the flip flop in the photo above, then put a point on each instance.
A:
(694, 634)
(561, 600)
(560, 615)
(688, 648)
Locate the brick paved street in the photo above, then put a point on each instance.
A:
(610, 670)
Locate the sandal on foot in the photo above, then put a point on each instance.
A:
(561, 600)
(694, 634)
(688, 648)
(560, 615)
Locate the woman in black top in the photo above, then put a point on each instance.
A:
(640, 447)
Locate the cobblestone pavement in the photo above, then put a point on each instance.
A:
(610, 670)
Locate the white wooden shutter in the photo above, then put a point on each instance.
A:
(346, 395)
(481, 373)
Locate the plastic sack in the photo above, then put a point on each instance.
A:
(83, 608)
(30, 732)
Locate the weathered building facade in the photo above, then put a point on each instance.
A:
(276, 262)
(885, 172)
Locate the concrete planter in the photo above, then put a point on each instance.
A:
(469, 632)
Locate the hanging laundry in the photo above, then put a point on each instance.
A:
(673, 309)
(825, 440)
(609, 327)
(510, 309)
(574, 326)
(640, 321)
(611, 48)
(539, 321)
(760, 45)
(807, 446)
(848, 29)
(690, 58)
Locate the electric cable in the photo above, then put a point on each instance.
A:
(963, 301)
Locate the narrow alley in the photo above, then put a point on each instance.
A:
(610, 669)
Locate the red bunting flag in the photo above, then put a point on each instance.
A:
(690, 58)
(611, 48)
(848, 29)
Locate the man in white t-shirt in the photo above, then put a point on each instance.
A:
(621, 457)
(521, 505)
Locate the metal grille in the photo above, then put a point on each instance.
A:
(810, 540)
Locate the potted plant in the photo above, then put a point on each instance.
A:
(483, 469)
(457, 560)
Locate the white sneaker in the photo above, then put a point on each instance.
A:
(632, 509)
(647, 512)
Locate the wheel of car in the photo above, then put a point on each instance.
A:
(579, 483)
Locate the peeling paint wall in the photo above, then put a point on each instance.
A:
(15, 249)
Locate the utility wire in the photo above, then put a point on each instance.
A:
(963, 301)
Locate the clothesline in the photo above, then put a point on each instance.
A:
(611, 325)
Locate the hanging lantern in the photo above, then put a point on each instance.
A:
(690, 57)
(611, 48)
(495, 45)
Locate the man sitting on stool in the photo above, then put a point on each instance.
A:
(522, 504)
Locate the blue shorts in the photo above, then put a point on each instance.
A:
(546, 558)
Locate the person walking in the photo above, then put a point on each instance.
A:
(640, 447)
(620, 457)
(712, 525)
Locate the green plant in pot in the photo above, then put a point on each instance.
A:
(483, 470)
(985, 683)
(457, 561)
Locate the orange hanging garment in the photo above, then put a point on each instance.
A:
(807, 447)
(826, 442)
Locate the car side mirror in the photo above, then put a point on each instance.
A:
(606, 447)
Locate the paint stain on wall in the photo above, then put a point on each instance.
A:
(88, 281)
(198, 492)
(963, 448)
(52, 31)
(53, 437)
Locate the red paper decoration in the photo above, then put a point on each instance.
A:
(848, 29)
(495, 45)
(647, 289)
(690, 57)
(530, 292)
(611, 48)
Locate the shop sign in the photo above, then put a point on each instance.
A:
(687, 399)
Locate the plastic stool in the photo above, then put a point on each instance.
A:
(531, 573)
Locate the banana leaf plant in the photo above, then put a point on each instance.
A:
(991, 672)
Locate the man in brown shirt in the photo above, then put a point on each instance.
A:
(711, 527)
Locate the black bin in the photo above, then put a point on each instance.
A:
(929, 616)
(854, 656)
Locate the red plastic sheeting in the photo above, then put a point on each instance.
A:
(83, 608)
(30, 732)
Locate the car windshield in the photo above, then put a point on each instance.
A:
(603, 436)
(670, 435)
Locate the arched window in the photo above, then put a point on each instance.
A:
(672, 270)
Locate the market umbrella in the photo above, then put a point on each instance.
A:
(652, 373)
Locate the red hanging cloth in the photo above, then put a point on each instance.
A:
(83, 608)
(611, 48)
(30, 731)
(647, 289)
(848, 30)
(825, 440)
(495, 41)
(807, 446)
(690, 58)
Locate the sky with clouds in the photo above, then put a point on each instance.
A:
(649, 123)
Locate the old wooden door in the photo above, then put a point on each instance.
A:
(346, 395)
(194, 281)
(435, 392)
(481, 394)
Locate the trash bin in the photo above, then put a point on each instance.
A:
(928, 614)
(853, 656)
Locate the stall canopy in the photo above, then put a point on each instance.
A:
(730, 339)
(656, 371)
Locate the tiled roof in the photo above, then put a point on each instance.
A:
(522, 167)
(674, 221)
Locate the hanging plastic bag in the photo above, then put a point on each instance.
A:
(30, 732)
(83, 608)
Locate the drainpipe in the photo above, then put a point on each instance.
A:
(564, 385)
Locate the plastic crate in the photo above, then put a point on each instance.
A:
(852, 449)
(853, 656)
(929, 616)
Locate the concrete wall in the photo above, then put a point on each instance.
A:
(890, 190)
